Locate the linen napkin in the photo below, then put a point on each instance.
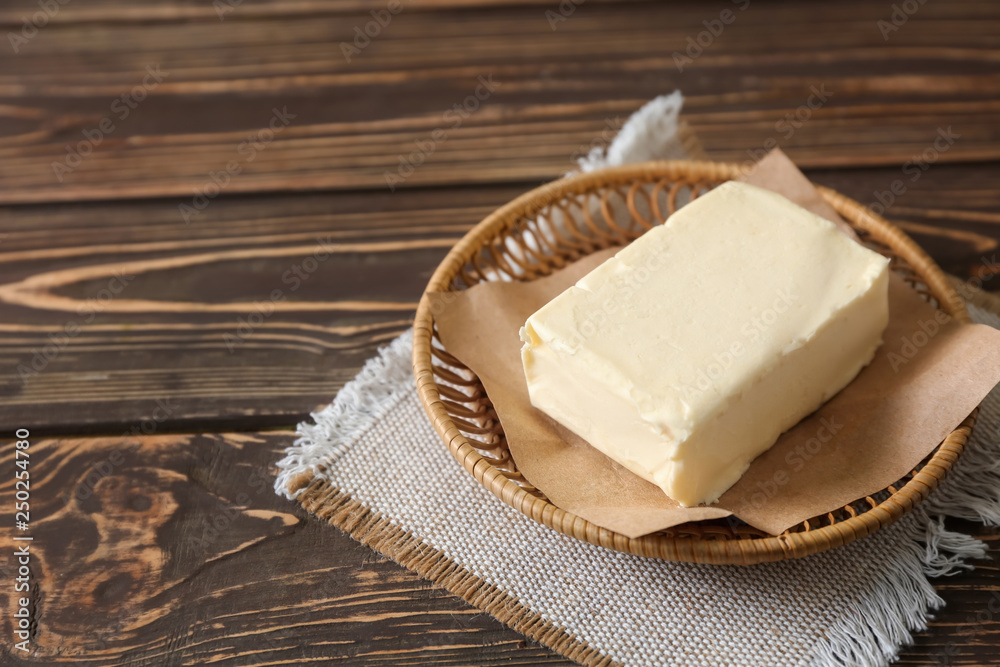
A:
(372, 464)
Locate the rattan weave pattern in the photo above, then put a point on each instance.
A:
(558, 223)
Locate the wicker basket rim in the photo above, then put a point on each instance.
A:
(692, 549)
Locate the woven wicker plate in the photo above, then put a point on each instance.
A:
(556, 224)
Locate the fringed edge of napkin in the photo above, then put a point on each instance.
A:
(377, 532)
(971, 490)
(873, 637)
(869, 637)
(654, 132)
(374, 392)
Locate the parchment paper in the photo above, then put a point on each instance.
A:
(929, 374)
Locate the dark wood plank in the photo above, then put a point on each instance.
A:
(175, 545)
(217, 320)
(120, 11)
(192, 327)
(194, 339)
(129, 569)
(175, 550)
(949, 211)
(559, 86)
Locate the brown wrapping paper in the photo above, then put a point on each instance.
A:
(929, 374)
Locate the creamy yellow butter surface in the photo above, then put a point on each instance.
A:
(689, 352)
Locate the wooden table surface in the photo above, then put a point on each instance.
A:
(170, 170)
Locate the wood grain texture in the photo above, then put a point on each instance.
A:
(558, 85)
(120, 11)
(157, 325)
(173, 549)
(261, 309)
(120, 317)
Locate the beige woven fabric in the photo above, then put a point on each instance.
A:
(852, 605)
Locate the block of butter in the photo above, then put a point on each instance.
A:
(688, 353)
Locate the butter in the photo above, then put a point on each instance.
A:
(688, 353)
